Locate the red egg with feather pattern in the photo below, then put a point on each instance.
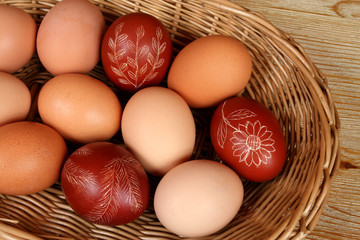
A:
(105, 184)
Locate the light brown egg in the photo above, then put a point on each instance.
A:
(15, 99)
(209, 70)
(31, 157)
(81, 108)
(17, 38)
(159, 129)
(69, 37)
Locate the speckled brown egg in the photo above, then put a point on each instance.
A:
(31, 157)
(81, 108)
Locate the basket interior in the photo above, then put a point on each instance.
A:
(283, 79)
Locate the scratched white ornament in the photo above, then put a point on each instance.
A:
(136, 51)
(105, 184)
(248, 137)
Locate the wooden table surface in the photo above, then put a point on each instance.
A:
(329, 31)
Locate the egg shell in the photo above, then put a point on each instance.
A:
(136, 51)
(69, 37)
(159, 129)
(31, 157)
(247, 136)
(82, 108)
(209, 70)
(17, 39)
(198, 198)
(105, 184)
(15, 99)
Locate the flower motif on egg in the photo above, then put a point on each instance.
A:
(252, 143)
(247, 136)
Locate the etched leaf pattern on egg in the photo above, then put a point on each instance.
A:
(83, 151)
(128, 173)
(77, 175)
(118, 177)
(128, 70)
(225, 122)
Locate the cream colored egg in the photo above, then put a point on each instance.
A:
(17, 38)
(198, 198)
(80, 107)
(15, 99)
(159, 129)
(69, 37)
(209, 70)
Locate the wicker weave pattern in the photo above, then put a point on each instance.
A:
(283, 78)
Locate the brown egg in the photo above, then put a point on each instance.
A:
(17, 38)
(82, 108)
(31, 156)
(15, 99)
(209, 70)
(69, 37)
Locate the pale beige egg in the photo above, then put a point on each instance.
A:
(15, 99)
(81, 108)
(32, 155)
(17, 38)
(198, 198)
(69, 37)
(159, 129)
(209, 70)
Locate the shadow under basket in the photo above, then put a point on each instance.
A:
(284, 79)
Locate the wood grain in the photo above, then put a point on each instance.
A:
(329, 31)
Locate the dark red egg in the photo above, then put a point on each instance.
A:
(136, 51)
(247, 136)
(105, 184)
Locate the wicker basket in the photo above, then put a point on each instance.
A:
(283, 78)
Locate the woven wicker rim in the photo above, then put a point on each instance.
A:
(284, 79)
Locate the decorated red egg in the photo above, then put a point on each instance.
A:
(136, 51)
(105, 184)
(248, 137)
